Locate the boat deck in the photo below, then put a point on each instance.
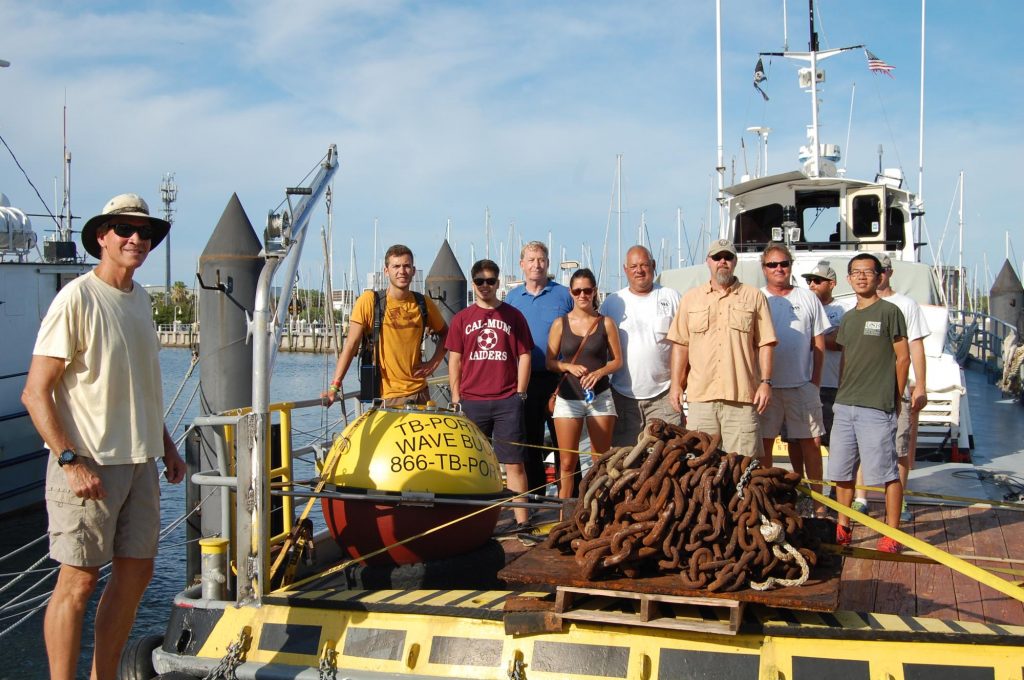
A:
(934, 590)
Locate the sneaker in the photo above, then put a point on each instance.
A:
(888, 545)
(860, 506)
(844, 535)
(905, 515)
(512, 530)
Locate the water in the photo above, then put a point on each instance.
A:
(22, 655)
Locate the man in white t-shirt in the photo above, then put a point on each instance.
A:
(800, 325)
(916, 397)
(643, 311)
(94, 393)
(822, 281)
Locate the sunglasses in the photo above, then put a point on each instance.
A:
(817, 281)
(781, 263)
(718, 257)
(489, 281)
(582, 291)
(145, 232)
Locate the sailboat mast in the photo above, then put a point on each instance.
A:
(816, 150)
(720, 167)
(960, 256)
(618, 227)
(679, 237)
(920, 135)
(65, 228)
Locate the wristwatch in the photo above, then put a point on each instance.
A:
(66, 457)
(767, 381)
(522, 395)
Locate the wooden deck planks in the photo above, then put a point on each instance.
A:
(897, 583)
(859, 576)
(989, 542)
(934, 593)
(960, 541)
(935, 590)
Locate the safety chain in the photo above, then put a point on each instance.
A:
(329, 662)
(675, 503)
(234, 656)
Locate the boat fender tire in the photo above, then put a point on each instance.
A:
(137, 658)
(175, 675)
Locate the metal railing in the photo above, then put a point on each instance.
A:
(975, 335)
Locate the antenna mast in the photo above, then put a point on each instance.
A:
(168, 194)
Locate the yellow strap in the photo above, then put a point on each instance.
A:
(1009, 505)
(941, 556)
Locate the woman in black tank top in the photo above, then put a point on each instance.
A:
(600, 356)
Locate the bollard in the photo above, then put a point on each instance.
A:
(214, 567)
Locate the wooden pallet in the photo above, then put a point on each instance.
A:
(699, 614)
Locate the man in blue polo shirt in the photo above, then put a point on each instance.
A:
(541, 301)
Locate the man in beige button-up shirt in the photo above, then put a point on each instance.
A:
(722, 357)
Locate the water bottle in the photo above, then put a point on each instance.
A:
(588, 395)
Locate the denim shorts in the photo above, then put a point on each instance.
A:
(602, 405)
(867, 435)
(502, 421)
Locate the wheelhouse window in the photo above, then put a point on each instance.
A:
(818, 217)
(867, 216)
(754, 227)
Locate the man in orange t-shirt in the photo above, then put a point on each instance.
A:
(403, 372)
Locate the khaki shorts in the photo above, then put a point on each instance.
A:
(419, 397)
(799, 408)
(736, 421)
(634, 414)
(904, 425)
(89, 533)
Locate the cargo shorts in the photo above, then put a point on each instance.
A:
(737, 423)
(89, 533)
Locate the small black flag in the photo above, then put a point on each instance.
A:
(758, 77)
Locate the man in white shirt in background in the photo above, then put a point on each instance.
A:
(822, 281)
(800, 325)
(643, 311)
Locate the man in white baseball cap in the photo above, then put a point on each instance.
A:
(95, 395)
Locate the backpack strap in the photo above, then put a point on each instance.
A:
(421, 302)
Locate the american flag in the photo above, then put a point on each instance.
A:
(876, 65)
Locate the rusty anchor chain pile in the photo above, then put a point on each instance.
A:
(675, 503)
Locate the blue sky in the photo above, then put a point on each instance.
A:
(444, 109)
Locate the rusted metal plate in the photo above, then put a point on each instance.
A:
(547, 566)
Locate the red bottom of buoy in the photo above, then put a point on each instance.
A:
(363, 527)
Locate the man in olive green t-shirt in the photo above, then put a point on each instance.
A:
(873, 372)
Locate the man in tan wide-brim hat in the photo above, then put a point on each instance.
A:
(94, 393)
